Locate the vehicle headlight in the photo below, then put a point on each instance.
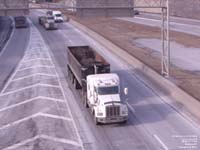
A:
(99, 112)
(124, 110)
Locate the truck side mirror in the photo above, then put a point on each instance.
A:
(126, 91)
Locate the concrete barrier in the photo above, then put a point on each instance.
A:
(183, 103)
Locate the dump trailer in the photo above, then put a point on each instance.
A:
(47, 22)
(90, 72)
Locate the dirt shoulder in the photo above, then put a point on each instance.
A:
(124, 34)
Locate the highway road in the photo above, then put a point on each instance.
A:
(29, 122)
(154, 125)
(12, 53)
(184, 25)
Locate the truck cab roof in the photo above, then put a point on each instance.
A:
(107, 79)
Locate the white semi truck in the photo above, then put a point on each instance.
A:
(90, 72)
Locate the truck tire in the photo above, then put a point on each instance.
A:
(95, 119)
(76, 84)
(69, 74)
(85, 101)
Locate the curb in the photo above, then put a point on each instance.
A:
(187, 105)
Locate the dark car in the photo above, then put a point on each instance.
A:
(21, 22)
(136, 12)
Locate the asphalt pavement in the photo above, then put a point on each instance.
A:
(34, 113)
(154, 125)
(12, 53)
(5, 30)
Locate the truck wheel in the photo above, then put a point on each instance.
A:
(124, 122)
(76, 84)
(95, 119)
(69, 74)
(86, 103)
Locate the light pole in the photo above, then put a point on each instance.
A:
(165, 39)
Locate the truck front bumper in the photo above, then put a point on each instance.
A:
(112, 119)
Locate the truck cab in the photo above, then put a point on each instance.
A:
(57, 15)
(103, 98)
(48, 22)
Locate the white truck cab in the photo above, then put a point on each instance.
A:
(58, 17)
(103, 98)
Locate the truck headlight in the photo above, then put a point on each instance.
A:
(124, 110)
(99, 114)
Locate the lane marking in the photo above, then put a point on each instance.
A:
(40, 114)
(32, 75)
(39, 98)
(36, 66)
(161, 142)
(66, 141)
(35, 59)
(55, 117)
(8, 41)
(22, 143)
(45, 137)
(172, 23)
(29, 87)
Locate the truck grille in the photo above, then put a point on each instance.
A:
(112, 111)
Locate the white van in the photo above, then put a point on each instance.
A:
(58, 17)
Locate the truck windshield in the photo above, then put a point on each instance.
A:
(108, 90)
(58, 15)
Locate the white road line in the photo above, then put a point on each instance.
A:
(33, 75)
(36, 66)
(22, 143)
(19, 121)
(28, 87)
(55, 117)
(161, 142)
(66, 141)
(175, 23)
(42, 136)
(35, 59)
(67, 105)
(40, 114)
(11, 35)
(30, 100)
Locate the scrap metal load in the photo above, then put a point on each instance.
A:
(90, 72)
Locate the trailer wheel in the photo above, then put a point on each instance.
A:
(76, 84)
(69, 74)
(85, 101)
